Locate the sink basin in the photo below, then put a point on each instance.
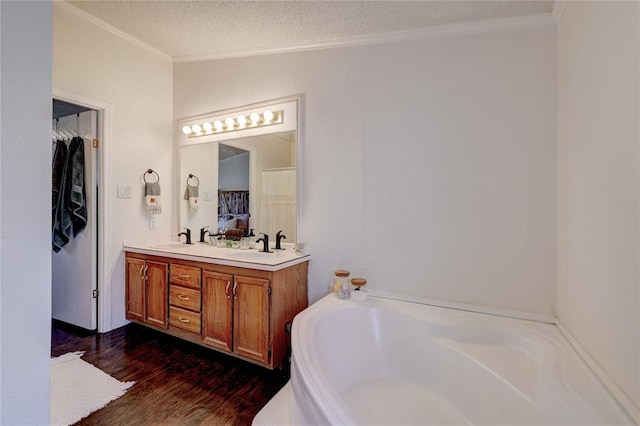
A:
(253, 255)
(172, 245)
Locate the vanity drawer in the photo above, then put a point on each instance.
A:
(184, 297)
(185, 320)
(184, 275)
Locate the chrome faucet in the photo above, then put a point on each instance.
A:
(187, 234)
(265, 242)
(279, 237)
(204, 231)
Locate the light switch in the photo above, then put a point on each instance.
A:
(124, 191)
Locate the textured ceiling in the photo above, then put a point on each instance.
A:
(227, 28)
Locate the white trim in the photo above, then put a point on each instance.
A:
(397, 36)
(104, 218)
(110, 28)
(606, 380)
(530, 316)
(559, 7)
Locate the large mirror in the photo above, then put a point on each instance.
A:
(245, 177)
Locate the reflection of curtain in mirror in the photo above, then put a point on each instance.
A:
(234, 202)
(278, 203)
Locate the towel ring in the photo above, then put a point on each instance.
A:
(150, 171)
(192, 176)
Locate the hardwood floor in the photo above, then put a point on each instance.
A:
(177, 382)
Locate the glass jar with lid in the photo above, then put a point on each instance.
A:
(341, 283)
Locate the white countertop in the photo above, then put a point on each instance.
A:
(201, 252)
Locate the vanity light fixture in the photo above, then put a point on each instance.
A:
(230, 124)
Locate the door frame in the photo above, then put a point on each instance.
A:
(104, 206)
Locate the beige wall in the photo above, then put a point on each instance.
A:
(96, 64)
(598, 222)
(428, 166)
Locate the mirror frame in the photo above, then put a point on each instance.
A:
(292, 121)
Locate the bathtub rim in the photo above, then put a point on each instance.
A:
(334, 410)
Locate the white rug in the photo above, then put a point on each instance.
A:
(78, 389)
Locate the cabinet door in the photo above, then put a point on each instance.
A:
(156, 294)
(251, 318)
(217, 307)
(134, 290)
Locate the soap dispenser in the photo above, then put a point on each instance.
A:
(252, 239)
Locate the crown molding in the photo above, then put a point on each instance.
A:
(390, 37)
(111, 29)
(559, 7)
(450, 30)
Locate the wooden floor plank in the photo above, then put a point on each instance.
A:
(177, 382)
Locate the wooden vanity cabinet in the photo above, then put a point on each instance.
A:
(251, 317)
(185, 298)
(240, 311)
(237, 314)
(146, 291)
(217, 302)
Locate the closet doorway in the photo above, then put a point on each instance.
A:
(75, 183)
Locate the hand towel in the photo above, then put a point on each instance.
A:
(152, 197)
(191, 194)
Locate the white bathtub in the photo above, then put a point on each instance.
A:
(390, 362)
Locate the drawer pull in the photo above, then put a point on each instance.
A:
(183, 275)
(184, 320)
(181, 297)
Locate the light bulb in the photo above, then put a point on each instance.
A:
(196, 128)
(242, 120)
(268, 116)
(218, 125)
(186, 130)
(254, 117)
(230, 122)
(207, 126)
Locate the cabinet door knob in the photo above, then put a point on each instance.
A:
(226, 290)
(181, 297)
(235, 285)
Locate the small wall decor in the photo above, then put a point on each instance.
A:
(152, 192)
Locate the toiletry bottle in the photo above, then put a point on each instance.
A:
(358, 294)
(340, 283)
(252, 239)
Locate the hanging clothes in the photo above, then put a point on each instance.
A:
(59, 157)
(71, 210)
